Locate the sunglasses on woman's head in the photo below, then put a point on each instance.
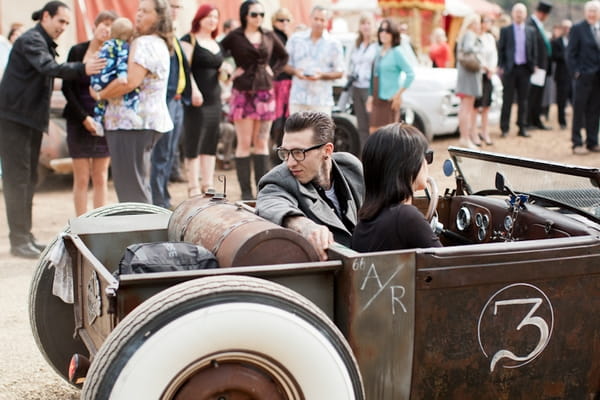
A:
(254, 14)
(429, 156)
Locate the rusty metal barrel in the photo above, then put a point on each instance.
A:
(235, 235)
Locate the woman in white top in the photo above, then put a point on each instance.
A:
(489, 62)
(131, 134)
(359, 76)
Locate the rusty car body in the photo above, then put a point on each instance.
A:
(507, 309)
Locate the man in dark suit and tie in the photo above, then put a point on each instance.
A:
(543, 54)
(560, 73)
(516, 62)
(583, 58)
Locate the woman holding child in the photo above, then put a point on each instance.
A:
(88, 151)
(130, 133)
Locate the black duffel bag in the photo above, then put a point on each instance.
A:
(165, 257)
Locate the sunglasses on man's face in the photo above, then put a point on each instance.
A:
(254, 14)
(429, 156)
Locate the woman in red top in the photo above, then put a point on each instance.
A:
(439, 51)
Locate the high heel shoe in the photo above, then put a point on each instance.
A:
(468, 144)
(486, 141)
(194, 191)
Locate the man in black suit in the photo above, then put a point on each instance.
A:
(543, 54)
(561, 75)
(516, 62)
(583, 58)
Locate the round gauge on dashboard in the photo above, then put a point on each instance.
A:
(508, 222)
(478, 220)
(486, 220)
(481, 233)
(463, 218)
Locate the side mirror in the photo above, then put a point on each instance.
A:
(448, 167)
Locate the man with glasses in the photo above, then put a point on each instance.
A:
(316, 60)
(315, 191)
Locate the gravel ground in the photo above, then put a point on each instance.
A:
(24, 374)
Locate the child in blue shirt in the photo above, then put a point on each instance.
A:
(116, 53)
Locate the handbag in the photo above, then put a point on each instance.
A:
(469, 61)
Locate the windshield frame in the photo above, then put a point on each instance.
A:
(528, 164)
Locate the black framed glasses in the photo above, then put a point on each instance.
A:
(283, 20)
(386, 30)
(297, 154)
(429, 156)
(255, 14)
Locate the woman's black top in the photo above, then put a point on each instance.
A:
(398, 227)
(205, 68)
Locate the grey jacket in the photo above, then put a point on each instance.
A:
(282, 195)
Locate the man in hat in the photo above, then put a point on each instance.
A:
(544, 52)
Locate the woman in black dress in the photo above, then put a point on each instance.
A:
(395, 161)
(201, 123)
(88, 150)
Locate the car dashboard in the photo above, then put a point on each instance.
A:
(486, 219)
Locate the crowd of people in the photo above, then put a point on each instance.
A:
(535, 69)
(137, 93)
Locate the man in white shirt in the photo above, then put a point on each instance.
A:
(316, 60)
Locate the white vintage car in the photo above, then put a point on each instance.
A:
(431, 104)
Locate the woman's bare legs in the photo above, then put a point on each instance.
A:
(207, 171)
(81, 181)
(465, 117)
(473, 132)
(485, 130)
(192, 172)
(100, 180)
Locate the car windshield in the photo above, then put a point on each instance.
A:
(575, 187)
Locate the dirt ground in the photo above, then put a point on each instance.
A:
(24, 374)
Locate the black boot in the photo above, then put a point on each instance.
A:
(242, 168)
(261, 166)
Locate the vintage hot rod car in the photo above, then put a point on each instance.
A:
(507, 309)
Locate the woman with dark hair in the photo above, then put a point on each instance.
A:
(252, 102)
(201, 123)
(88, 151)
(395, 164)
(132, 133)
(387, 82)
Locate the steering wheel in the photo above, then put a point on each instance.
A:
(432, 194)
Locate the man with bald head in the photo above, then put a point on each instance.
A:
(516, 63)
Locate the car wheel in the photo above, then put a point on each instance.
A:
(410, 117)
(52, 321)
(347, 137)
(225, 337)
